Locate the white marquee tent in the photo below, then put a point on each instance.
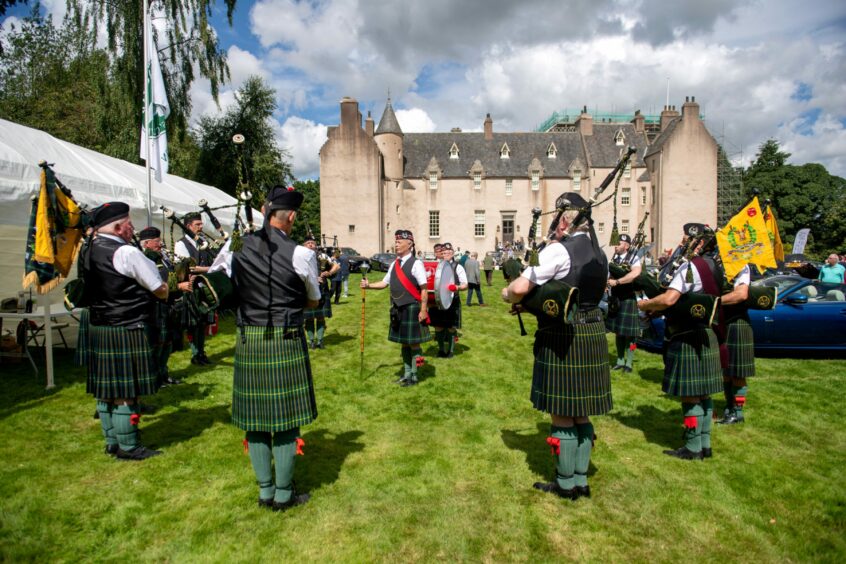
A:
(94, 179)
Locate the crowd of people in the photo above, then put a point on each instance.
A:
(285, 293)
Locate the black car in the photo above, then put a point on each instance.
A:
(355, 258)
(382, 261)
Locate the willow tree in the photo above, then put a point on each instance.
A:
(188, 49)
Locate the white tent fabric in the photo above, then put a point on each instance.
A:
(94, 179)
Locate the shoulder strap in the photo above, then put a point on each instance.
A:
(406, 283)
(709, 285)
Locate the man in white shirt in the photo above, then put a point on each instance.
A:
(188, 248)
(623, 318)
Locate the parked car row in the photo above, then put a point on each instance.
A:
(808, 315)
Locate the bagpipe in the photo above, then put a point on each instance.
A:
(555, 299)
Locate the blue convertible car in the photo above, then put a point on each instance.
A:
(808, 316)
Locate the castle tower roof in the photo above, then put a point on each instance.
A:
(389, 123)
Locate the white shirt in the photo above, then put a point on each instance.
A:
(634, 262)
(181, 250)
(554, 263)
(461, 274)
(680, 283)
(223, 260)
(130, 261)
(418, 271)
(305, 265)
(743, 277)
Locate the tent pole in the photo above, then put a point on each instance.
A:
(147, 103)
(48, 339)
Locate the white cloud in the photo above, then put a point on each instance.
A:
(303, 139)
(415, 120)
(242, 65)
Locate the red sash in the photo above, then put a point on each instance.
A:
(709, 285)
(406, 283)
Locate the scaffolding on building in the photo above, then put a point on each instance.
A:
(730, 192)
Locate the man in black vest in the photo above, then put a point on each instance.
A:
(122, 286)
(570, 380)
(409, 305)
(623, 319)
(188, 247)
(273, 392)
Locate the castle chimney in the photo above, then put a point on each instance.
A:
(690, 110)
(585, 122)
(350, 116)
(639, 122)
(488, 128)
(368, 124)
(668, 115)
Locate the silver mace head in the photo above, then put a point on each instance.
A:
(364, 267)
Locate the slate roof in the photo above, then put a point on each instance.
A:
(419, 148)
(388, 123)
(602, 146)
(663, 137)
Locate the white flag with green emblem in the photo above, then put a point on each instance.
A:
(156, 110)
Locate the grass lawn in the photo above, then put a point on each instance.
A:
(440, 471)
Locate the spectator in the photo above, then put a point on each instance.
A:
(474, 279)
(832, 271)
(488, 266)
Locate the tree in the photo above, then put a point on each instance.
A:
(259, 160)
(309, 215)
(802, 196)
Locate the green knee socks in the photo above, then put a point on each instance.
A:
(260, 457)
(707, 421)
(284, 451)
(740, 400)
(309, 329)
(621, 350)
(105, 411)
(439, 337)
(693, 416)
(406, 362)
(321, 329)
(565, 462)
(629, 352)
(125, 432)
(416, 353)
(450, 339)
(583, 450)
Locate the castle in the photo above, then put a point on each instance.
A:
(478, 189)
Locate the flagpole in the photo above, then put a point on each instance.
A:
(147, 39)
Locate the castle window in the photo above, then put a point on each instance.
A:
(627, 172)
(477, 180)
(453, 151)
(626, 197)
(479, 223)
(535, 180)
(433, 181)
(577, 180)
(434, 223)
(552, 151)
(352, 228)
(624, 227)
(509, 186)
(643, 195)
(505, 152)
(600, 227)
(620, 139)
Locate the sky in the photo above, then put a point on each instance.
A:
(759, 69)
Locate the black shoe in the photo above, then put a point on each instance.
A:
(401, 380)
(96, 414)
(265, 503)
(707, 453)
(441, 354)
(554, 488)
(147, 408)
(172, 381)
(205, 360)
(111, 450)
(449, 355)
(617, 367)
(582, 491)
(408, 382)
(138, 453)
(312, 345)
(627, 369)
(296, 499)
(684, 454)
(320, 345)
(731, 419)
(197, 360)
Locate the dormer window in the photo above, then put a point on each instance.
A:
(505, 152)
(620, 139)
(552, 151)
(577, 180)
(477, 180)
(535, 180)
(453, 151)
(433, 180)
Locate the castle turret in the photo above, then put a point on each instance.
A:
(388, 138)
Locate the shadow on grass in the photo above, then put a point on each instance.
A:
(655, 375)
(22, 389)
(659, 427)
(325, 454)
(336, 339)
(539, 458)
(182, 425)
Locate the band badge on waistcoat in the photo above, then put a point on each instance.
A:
(764, 302)
(550, 307)
(697, 311)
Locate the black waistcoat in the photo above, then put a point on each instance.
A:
(269, 289)
(588, 272)
(399, 295)
(116, 299)
(202, 258)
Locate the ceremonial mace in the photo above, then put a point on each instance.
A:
(363, 268)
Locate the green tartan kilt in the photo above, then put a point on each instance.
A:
(741, 349)
(272, 388)
(409, 331)
(190, 318)
(83, 349)
(447, 317)
(120, 362)
(626, 322)
(322, 310)
(571, 376)
(692, 364)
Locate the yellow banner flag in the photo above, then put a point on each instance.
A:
(57, 229)
(745, 240)
(775, 238)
